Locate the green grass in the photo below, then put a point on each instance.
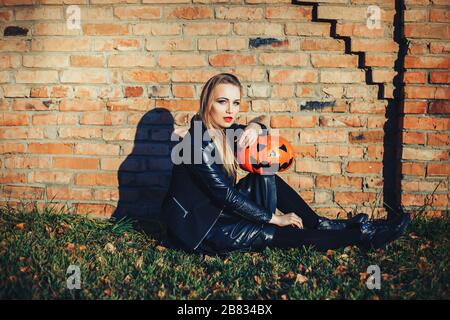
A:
(119, 262)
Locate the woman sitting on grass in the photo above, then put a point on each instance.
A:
(207, 212)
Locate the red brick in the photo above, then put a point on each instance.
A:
(133, 91)
(413, 138)
(421, 92)
(439, 77)
(427, 31)
(414, 169)
(334, 182)
(95, 210)
(438, 169)
(262, 29)
(366, 137)
(438, 139)
(314, 136)
(241, 12)
(286, 76)
(427, 62)
(285, 121)
(181, 91)
(322, 45)
(24, 192)
(104, 29)
(334, 61)
(177, 105)
(439, 15)
(275, 59)
(342, 77)
(51, 148)
(372, 45)
(13, 119)
(364, 167)
(359, 30)
(138, 12)
(81, 105)
(415, 77)
(354, 197)
(421, 154)
(374, 59)
(322, 167)
(414, 107)
(319, 29)
(291, 13)
(439, 107)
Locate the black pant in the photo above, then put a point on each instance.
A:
(288, 200)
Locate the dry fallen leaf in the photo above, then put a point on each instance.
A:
(20, 226)
(412, 235)
(422, 265)
(70, 246)
(160, 248)
(24, 269)
(207, 258)
(101, 259)
(289, 275)
(301, 278)
(386, 276)
(340, 269)
(161, 294)
(110, 247)
(107, 292)
(257, 279)
(139, 262)
(82, 247)
(127, 279)
(284, 297)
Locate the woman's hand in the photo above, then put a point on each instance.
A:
(250, 135)
(286, 220)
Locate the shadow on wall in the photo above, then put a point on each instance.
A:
(145, 174)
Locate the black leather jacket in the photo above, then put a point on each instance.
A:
(199, 192)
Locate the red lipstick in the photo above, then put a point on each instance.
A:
(228, 119)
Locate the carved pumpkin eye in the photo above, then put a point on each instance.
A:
(260, 147)
(283, 147)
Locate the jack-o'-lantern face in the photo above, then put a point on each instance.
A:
(268, 155)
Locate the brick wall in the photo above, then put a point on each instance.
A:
(87, 113)
(426, 122)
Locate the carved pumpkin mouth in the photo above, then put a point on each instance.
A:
(266, 158)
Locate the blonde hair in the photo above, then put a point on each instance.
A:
(230, 163)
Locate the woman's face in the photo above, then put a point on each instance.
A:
(225, 105)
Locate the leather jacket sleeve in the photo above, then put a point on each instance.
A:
(222, 191)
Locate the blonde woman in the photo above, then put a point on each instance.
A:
(206, 211)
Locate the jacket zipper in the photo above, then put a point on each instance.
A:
(185, 211)
(209, 229)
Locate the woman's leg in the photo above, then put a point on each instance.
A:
(261, 189)
(289, 237)
(288, 200)
(271, 192)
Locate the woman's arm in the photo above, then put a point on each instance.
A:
(262, 121)
(221, 190)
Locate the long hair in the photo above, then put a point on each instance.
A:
(230, 163)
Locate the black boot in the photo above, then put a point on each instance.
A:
(379, 233)
(339, 224)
